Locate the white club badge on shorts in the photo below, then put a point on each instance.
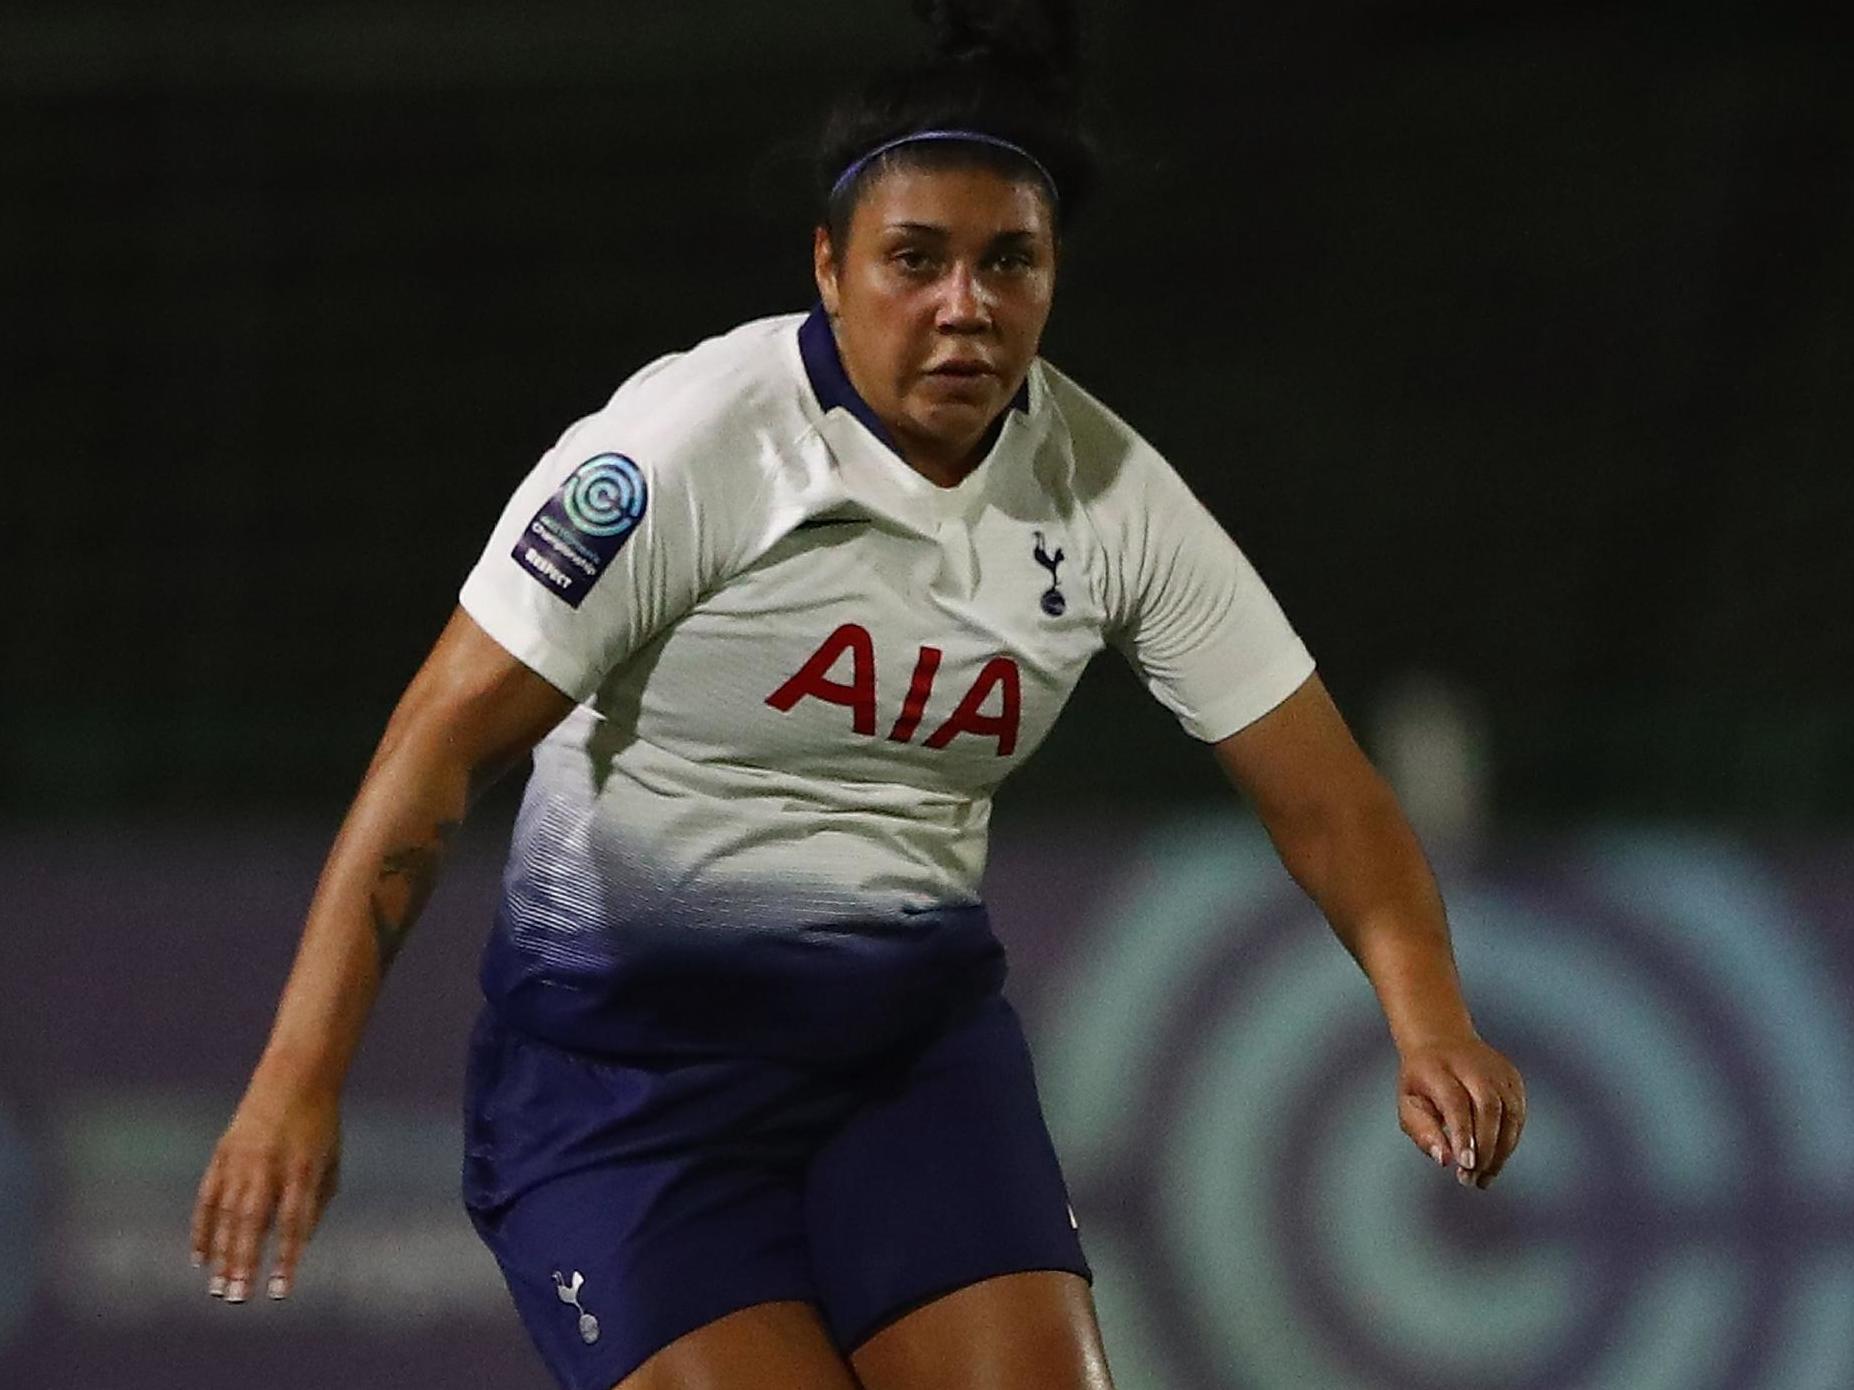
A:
(569, 1293)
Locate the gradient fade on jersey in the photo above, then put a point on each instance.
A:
(803, 675)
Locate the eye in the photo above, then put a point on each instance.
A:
(911, 260)
(1013, 261)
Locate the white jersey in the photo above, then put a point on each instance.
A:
(804, 669)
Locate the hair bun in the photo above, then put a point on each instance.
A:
(1007, 70)
(1038, 38)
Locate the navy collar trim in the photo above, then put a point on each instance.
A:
(817, 345)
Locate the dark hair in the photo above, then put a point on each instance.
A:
(1006, 68)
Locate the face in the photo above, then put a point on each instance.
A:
(939, 295)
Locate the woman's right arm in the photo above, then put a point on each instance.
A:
(471, 713)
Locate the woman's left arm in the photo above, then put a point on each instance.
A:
(1341, 834)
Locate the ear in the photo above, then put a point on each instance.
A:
(824, 268)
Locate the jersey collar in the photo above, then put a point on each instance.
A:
(817, 344)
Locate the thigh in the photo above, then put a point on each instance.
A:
(770, 1346)
(944, 1177)
(1029, 1331)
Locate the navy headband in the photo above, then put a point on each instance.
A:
(974, 137)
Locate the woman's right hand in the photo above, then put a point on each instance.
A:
(278, 1162)
(472, 712)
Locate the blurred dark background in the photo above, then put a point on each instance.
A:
(1513, 342)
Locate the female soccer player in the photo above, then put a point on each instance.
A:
(747, 1107)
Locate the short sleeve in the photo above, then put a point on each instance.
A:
(1197, 623)
(621, 527)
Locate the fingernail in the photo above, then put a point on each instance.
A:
(216, 1286)
(279, 1286)
(1467, 1159)
(235, 1291)
(1435, 1152)
(1463, 1177)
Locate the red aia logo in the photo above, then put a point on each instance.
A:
(813, 679)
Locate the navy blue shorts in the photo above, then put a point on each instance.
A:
(631, 1202)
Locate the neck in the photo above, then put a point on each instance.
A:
(941, 464)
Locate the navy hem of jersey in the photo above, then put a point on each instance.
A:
(817, 345)
(836, 995)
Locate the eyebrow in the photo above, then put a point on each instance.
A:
(934, 229)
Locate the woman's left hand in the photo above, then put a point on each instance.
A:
(1463, 1103)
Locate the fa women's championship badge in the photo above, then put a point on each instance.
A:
(583, 525)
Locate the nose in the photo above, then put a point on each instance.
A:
(964, 306)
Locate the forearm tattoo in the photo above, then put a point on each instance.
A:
(406, 878)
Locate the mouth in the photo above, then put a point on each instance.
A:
(961, 377)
